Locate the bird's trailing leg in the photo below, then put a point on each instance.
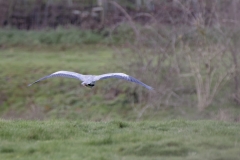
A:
(84, 84)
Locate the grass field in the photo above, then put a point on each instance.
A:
(170, 140)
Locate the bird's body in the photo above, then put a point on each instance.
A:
(89, 80)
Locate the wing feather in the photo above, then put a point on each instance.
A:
(122, 76)
(66, 74)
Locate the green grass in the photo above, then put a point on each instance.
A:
(170, 140)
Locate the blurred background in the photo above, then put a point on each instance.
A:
(188, 50)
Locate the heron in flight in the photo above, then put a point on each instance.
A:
(89, 80)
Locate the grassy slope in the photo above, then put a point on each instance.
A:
(176, 139)
(62, 97)
(66, 98)
(20, 67)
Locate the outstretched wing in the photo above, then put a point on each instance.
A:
(121, 76)
(67, 74)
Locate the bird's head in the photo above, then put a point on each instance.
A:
(89, 85)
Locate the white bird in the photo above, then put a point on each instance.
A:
(89, 80)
